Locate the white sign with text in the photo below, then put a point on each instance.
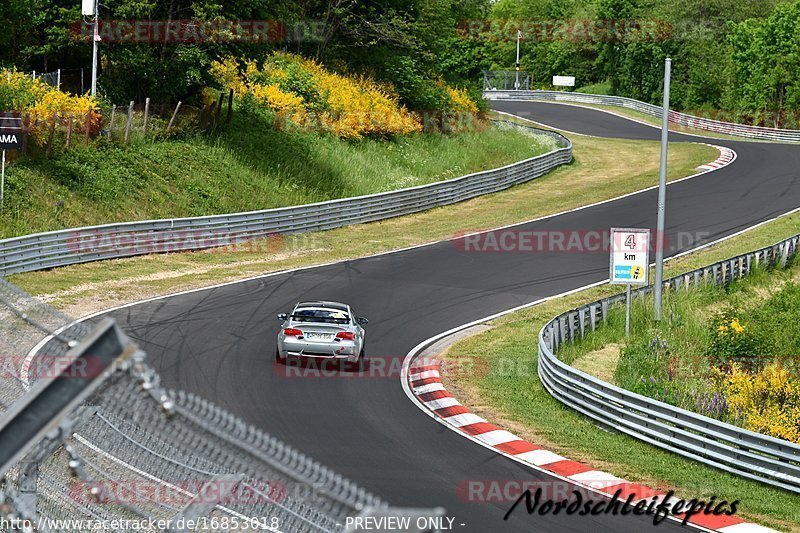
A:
(630, 256)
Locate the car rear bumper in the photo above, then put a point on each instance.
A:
(320, 350)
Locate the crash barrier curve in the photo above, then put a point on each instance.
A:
(676, 117)
(697, 437)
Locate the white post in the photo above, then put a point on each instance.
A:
(33, 76)
(3, 183)
(95, 39)
(628, 310)
(662, 194)
(58, 80)
(516, 65)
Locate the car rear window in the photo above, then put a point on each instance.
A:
(333, 316)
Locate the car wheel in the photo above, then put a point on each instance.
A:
(361, 360)
(278, 357)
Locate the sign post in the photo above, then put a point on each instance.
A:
(10, 139)
(630, 262)
(662, 193)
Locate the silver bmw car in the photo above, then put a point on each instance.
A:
(326, 330)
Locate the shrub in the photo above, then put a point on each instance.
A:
(305, 95)
(732, 341)
(20, 93)
(766, 401)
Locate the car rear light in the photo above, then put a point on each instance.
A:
(346, 335)
(292, 332)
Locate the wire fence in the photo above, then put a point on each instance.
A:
(136, 450)
(506, 80)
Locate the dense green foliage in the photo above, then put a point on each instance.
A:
(737, 55)
(408, 43)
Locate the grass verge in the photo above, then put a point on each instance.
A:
(517, 400)
(603, 169)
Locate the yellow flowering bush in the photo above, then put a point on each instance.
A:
(730, 341)
(304, 95)
(18, 92)
(461, 101)
(767, 401)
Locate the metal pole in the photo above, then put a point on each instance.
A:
(58, 80)
(662, 194)
(3, 183)
(516, 65)
(628, 310)
(95, 39)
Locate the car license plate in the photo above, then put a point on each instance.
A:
(318, 336)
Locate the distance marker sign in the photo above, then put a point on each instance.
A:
(630, 256)
(10, 131)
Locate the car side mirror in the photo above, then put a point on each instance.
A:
(362, 321)
(283, 316)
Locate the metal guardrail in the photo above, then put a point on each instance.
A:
(682, 119)
(709, 441)
(80, 245)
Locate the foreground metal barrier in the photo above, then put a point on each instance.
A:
(709, 441)
(80, 245)
(88, 433)
(682, 119)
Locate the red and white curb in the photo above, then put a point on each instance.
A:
(425, 382)
(726, 157)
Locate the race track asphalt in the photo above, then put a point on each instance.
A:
(220, 342)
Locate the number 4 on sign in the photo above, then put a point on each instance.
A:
(630, 241)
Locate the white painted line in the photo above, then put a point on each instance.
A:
(539, 457)
(497, 436)
(441, 403)
(746, 527)
(425, 374)
(431, 387)
(597, 479)
(463, 420)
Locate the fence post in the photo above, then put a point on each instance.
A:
(219, 109)
(230, 107)
(26, 125)
(130, 121)
(87, 127)
(146, 113)
(174, 114)
(111, 124)
(69, 131)
(52, 134)
(58, 80)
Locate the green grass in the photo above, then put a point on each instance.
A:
(517, 400)
(597, 88)
(247, 167)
